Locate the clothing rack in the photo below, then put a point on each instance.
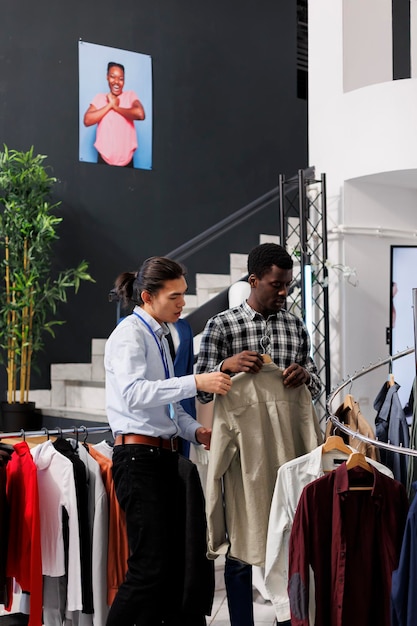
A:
(338, 424)
(375, 442)
(50, 432)
(362, 372)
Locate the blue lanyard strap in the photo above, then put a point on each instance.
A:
(158, 343)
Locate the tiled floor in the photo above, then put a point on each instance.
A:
(263, 610)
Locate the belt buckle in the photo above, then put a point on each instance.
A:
(174, 446)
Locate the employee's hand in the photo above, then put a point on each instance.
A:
(246, 361)
(295, 375)
(213, 382)
(203, 435)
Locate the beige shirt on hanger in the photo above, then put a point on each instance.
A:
(259, 425)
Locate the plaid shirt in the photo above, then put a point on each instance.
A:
(283, 336)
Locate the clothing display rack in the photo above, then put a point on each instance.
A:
(50, 432)
(338, 424)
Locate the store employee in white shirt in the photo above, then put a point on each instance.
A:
(144, 412)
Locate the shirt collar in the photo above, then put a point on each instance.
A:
(341, 483)
(252, 314)
(158, 329)
(315, 462)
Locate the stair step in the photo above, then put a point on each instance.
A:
(75, 414)
(209, 285)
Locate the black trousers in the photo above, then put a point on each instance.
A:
(146, 486)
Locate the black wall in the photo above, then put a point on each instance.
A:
(227, 122)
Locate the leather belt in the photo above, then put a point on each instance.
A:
(155, 442)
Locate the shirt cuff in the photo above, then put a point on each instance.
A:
(188, 386)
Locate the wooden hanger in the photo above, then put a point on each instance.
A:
(334, 442)
(391, 380)
(266, 358)
(357, 459)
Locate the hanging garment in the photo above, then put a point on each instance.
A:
(391, 426)
(57, 494)
(404, 579)
(292, 477)
(194, 569)
(4, 525)
(412, 461)
(25, 559)
(118, 549)
(351, 541)
(98, 508)
(65, 448)
(259, 425)
(349, 413)
(104, 447)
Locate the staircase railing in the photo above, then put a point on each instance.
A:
(231, 221)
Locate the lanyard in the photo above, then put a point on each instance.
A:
(158, 343)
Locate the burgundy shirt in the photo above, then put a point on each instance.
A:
(352, 541)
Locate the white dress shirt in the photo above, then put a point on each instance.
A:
(57, 492)
(138, 392)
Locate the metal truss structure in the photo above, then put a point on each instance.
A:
(303, 227)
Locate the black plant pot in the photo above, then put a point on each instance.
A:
(16, 416)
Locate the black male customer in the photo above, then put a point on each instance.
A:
(233, 342)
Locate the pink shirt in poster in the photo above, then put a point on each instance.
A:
(116, 138)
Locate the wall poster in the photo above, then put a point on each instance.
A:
(115, 106)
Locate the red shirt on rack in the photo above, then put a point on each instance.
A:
(24, 562)
(352, 541)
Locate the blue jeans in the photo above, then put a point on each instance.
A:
(238, 581)
(145, 479)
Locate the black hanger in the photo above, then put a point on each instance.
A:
(85, 444)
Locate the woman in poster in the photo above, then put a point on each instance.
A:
(115, 113)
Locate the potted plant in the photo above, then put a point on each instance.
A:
(29, 293)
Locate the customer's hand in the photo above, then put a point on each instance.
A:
(295, 375)
(213, 382)
(245, 361)
(203, 436)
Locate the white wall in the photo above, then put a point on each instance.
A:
(367, 306)
(367, 42)
(365, 141)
